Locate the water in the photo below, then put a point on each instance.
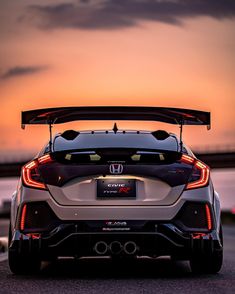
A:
(223, 179)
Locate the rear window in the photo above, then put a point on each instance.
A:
(111, 140)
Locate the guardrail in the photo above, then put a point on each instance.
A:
(218, 160)
(215, 148)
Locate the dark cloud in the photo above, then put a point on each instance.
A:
(111, 14)
(21, 71)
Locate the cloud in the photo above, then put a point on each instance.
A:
(112, 14)
(21, 71)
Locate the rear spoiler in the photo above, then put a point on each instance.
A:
(178, 116)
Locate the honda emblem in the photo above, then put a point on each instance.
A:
(116, 168)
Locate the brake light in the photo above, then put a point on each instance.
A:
(187, 159)
(45, 158)
(30, 173)
(22, 220)
(200, 173)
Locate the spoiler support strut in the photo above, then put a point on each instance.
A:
(50, 141)
(181, 136)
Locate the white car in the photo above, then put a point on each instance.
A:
(115, 193)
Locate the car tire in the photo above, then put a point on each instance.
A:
(9, 235)
(22, 264)
(208, 264)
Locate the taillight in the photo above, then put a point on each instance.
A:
(200, 173)
(187, 159)
(200, 176)
(45, 158)
(30, 173)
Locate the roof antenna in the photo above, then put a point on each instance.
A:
(115, 128)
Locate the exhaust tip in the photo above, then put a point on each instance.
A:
(101, 248)
(130, 248)
(116, 247)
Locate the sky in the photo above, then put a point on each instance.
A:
(172, 53)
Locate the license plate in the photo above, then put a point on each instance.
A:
(116, 188)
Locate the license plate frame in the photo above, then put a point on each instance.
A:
(116, 188)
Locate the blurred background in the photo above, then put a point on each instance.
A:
(171, 53)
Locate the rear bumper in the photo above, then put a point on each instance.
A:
(69, 240)
(101, 210)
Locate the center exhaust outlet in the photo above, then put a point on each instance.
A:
(101, 248)
(130, 248)
(115, 247)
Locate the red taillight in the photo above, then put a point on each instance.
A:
(30, 175)
(45, 158)
(22, 220)
(204, 173)
(198, 235)
(30, 172)
(208, 217)
(34, 235)
(200, 174)
(187, 159)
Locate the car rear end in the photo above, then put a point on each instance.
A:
(115, 194)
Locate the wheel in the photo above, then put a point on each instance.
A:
(9, 235)
(209, 264)
(22, 264)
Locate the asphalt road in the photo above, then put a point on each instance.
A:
(142, 276)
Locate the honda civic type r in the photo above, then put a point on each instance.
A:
(116, 193)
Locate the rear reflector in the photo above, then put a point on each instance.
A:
(22, 219)
(37, 217)
(195, 215)
(208, 217)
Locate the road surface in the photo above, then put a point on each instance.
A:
(143, 276)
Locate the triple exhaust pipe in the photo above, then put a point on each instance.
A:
(102, 248)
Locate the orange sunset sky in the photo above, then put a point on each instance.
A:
(172, 53)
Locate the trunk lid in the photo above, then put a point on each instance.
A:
(86, 177)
